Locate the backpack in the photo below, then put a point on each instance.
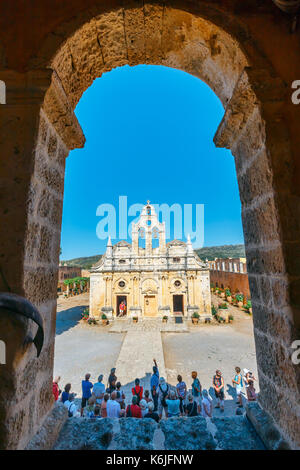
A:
(70, 414)
(192, 409)
(164, 396)
(129, 413)
(137, 395)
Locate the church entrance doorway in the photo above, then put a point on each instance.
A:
(178, 304)
(121, 311)
(150, 306)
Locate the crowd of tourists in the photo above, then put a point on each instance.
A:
(162, 400)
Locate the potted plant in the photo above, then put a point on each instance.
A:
(222, 294)
(135, 319)
(224, 316)
(228, 295)
(195, 317)
(104, 319)
(230, 318)
(223, 306)
(248, 307)
(239, 299)
(165, 318)
(85, 315)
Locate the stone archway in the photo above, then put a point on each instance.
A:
(207, 43)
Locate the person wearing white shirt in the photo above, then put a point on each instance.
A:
(206, 405)
(144, 407)
(71, 407)
(113, 408)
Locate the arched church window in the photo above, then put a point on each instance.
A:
(142, 237)
(176, 260)
(155, 238)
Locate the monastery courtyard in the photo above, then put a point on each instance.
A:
(82, 348)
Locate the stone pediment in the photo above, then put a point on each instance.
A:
(122, 244)
(149, 286)
(99, 263)
(176, 243)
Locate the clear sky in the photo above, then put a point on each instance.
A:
(149, 132)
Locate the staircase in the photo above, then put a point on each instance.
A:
(197, 433)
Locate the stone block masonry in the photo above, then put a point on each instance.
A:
(195, 433)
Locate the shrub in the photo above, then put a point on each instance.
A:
(248, 305)
(239, 297)
(230, 317)
(213, 310)
(223, 306)
(85, 314)
(103, 316)
(165, 317)
(195, 315)
(227, 293)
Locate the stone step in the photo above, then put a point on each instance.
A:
(197, 433)
(148, 324)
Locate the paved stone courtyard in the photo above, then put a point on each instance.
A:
(81, 348)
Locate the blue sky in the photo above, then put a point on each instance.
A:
(149, 132)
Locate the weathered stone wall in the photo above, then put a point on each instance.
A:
(261, 148)
(170, 434)
(236, 282)
(32, 377)
(68, 272)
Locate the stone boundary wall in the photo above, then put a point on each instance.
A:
(237, 282)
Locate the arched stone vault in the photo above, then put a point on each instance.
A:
(203, 40)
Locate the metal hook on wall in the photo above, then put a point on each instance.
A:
(19, 305)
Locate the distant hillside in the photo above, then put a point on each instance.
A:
(209, 252)
(223, 251)
(84, 263)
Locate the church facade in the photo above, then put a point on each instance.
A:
(153, 280)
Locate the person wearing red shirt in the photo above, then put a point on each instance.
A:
(137, 390)
(133, 411)
(55, 388)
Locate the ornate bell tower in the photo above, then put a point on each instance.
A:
(149, 227)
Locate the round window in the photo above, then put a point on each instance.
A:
(121, 284)
(177, 283)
